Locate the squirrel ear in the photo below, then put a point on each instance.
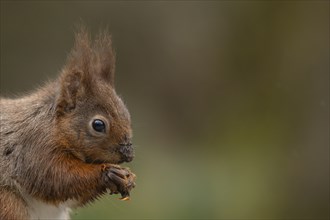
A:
(70, 83)
(76, 72)
(105, 56)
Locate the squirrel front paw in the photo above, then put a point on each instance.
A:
(120, 180)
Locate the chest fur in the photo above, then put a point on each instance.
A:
(40, 210)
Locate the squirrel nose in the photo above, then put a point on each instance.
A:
(126, 149)
(127, 152)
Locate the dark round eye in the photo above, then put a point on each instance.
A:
(98, 125)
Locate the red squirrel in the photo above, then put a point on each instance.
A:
(60, 146)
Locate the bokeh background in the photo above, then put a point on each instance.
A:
(229, 100)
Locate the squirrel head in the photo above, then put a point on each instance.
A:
(92, 121)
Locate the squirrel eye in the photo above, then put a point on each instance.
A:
(98, 125)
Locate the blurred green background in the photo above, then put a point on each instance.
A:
(229, 100)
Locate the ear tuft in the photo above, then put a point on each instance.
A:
(81, 55)
(95, 59)
(105, 56)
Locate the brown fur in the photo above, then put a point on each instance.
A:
(47, 146)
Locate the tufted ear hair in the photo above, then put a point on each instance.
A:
(105, 56)
(94, 59)
(81, 56)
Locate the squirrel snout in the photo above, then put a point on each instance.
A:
(127, 151)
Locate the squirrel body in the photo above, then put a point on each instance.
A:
(60, 146)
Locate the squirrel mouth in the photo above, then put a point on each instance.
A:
(123, 153)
